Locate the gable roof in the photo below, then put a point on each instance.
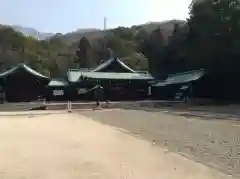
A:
(107, 63)
(179, 78)
(24, 67)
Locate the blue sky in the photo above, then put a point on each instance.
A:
(68, 15)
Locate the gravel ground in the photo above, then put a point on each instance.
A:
(72, 146)
(214, 143)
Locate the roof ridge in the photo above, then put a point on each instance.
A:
(102, 64)
(78, 69)
(25, 67)
(111, 72)
(73, 69)
(109, 61)
(125, 65)
(58, 79)
(186, 72)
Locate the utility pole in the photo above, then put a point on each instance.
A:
(104, 29)
(105, 23)
(38, 38)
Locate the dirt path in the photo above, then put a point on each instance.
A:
(69, 146)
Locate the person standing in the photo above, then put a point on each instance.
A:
(97, 96)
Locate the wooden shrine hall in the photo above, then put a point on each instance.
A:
(116, 79)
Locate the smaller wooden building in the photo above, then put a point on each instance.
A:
(179, 85)
(21, 83)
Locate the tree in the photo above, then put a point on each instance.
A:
(213, 43)
(39, 55)
(153, 48)
(83, 53)
(214, 29)
(124, 33)
(141, 35)
(174, 59)
(119, 48)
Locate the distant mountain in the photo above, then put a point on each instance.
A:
(93, 33)
(31, 32)
(166, 27)
(75, 36)
(198, 1)
(86, 30)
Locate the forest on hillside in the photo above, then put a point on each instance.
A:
(209, 39)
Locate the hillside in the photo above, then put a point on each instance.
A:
(198, 1)
(57, 54)
(48, 57)
(31, 32)
(53, 57)
(166, 27)
(93, 33)
(73, 37)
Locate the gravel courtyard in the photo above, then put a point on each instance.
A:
(69, 146)
(215, 143)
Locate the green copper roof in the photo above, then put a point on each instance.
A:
(24, 67)
(58, 82)
(105, 64)
(117, 76)
(182, 78)
(75, 76)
